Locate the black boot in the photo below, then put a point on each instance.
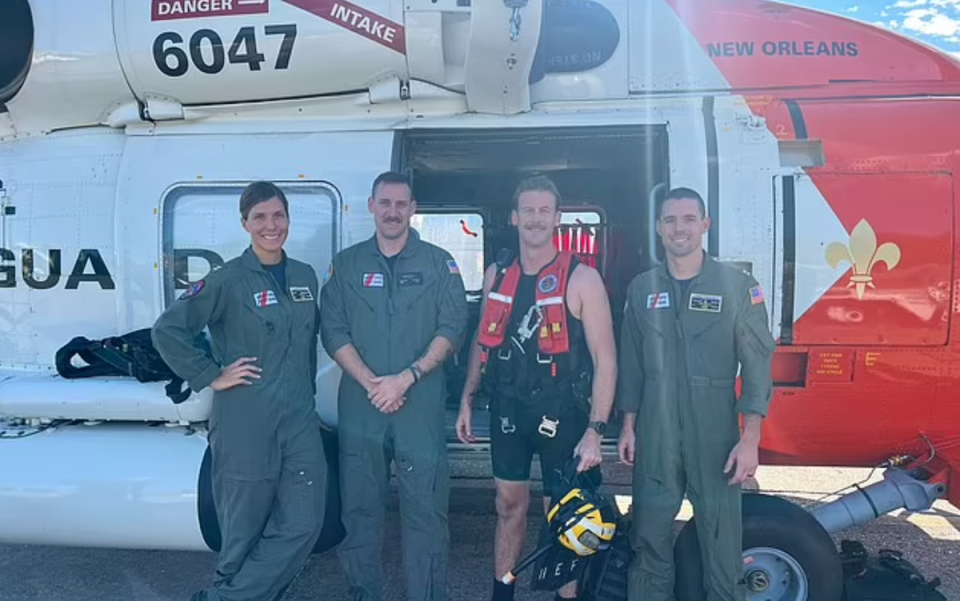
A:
(503, 592)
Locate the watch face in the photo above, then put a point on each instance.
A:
(598, 427)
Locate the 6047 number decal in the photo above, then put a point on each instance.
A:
(174, 61)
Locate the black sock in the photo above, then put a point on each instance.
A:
(503, 592)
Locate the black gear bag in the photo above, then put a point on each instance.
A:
(886, 576)
(131, 354)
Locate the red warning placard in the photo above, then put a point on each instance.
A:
(358, 20)
(169, 10)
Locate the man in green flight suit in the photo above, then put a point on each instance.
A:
(688, 325)
(393, 310)
(269, 467)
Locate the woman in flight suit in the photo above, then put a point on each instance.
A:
(269, 470)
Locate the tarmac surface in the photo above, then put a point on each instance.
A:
(931, 540)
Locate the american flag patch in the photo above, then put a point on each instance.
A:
(756, 295)
(373, 280)
(452, 266)
(264, 298)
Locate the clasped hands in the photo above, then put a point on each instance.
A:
(387, 393)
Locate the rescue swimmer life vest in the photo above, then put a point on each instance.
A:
(553, 337)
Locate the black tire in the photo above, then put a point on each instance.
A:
(776, 523)
(332, 532)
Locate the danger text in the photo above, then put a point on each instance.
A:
(166, 10)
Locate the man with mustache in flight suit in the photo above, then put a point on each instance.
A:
(393, 311)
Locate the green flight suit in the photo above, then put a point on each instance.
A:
(678, 367)
(269, 468)
(391, 316)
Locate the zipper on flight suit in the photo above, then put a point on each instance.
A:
(681, 354)
(286, 310)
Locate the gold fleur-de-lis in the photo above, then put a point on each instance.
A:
(863, 255)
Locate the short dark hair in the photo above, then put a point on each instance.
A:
(537, 183)
(390, 177)
(258, 192)
(679, 193)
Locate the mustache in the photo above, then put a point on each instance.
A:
(535, 226)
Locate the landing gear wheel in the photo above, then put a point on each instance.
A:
(787, 555)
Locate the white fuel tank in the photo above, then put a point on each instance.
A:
(219, 51)
(110, 485)
(123, 486)
(41, 396)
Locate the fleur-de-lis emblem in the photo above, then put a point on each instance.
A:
(863, 255)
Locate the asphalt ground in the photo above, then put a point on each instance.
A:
(931, 540)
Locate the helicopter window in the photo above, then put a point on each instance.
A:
(460, 234)
(202, 230)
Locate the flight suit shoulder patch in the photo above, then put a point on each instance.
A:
(193, 290)
(756, 295)
(453, 267)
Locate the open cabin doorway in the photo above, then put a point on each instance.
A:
(464, 182)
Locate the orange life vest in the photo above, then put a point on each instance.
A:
(553, 335)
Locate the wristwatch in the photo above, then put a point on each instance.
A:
(597, 427)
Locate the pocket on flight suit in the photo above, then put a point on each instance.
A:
(717, 426)
(419, 310)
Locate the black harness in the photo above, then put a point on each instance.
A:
(555, 384)
(131, 354)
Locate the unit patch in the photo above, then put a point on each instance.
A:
(265, 298)
(659, 300)
(193, 290)
(373, 280)
(548, 284)
(756, 295)
(301, 294)
(414, 278)
(709, 303)
(452, 266)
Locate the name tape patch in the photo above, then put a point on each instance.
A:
(301, 294)
(414, 278)
(709, 303)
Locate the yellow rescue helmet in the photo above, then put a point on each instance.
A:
(583, 521)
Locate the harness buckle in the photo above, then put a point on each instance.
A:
(506, 427)
(544, 360)
(548, 427)
(503, 357)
